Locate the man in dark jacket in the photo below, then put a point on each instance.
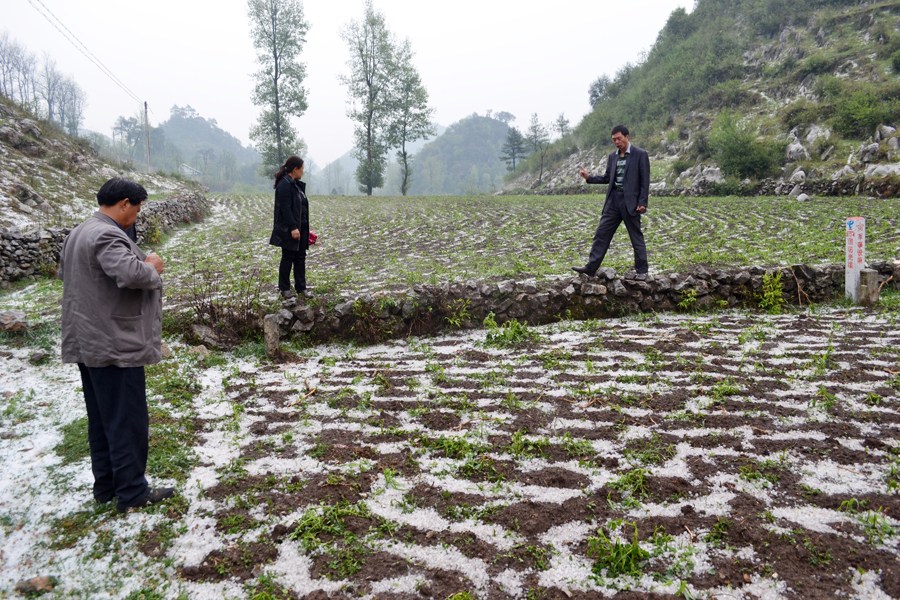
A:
(628, 176)
(112, 328)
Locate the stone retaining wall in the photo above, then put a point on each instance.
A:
(431, 308)
(24, 254)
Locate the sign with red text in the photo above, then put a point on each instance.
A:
(854, 256)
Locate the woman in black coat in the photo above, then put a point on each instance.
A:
(291, 228)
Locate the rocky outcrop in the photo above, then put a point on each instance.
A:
(25, 254)
(431, 308)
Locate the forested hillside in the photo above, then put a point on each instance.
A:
(188, 144)
(464, 160)
(753, 77)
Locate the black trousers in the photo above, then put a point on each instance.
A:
(296, 260)
(615, 213)
(118, 431)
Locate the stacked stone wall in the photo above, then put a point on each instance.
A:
(428, 309)
(26, 254)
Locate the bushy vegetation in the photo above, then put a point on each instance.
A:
(738, 150)
(718, 57)
(856, 108)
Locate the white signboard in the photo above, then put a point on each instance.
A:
(855, 256)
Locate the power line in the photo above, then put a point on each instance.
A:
(79, 45)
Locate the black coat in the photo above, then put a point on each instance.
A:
(291, 212)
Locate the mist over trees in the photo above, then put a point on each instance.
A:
(39, 87)
(278, 31)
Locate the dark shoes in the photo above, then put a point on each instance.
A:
(287, 294)
(584, 271)
(154, 496)
(306, 293)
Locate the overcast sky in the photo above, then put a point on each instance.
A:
(518, 56)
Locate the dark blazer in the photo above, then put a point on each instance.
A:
(636, 184)
(291, 212)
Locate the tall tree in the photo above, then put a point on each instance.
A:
(514, 148)
(51, 81)
(71, 106)
(278, 30)
(539, 140)
(411, 115)
(130, 131)
(599, 90)
(561, 125)
(369, 83)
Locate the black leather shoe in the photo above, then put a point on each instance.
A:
(154, 496)
(584, 271)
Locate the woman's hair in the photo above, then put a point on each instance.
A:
(289, 165)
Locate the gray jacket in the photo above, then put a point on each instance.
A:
(112, 300)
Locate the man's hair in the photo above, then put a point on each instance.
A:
(620, 129)
(117, 189)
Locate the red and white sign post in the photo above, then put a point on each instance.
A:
(855, 256)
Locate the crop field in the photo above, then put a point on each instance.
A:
(727, 454)
(370, 244)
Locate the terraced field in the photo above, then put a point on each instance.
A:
(723, 455)
(370, 244)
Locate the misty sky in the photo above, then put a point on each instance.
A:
(518, 56)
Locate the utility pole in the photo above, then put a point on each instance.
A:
(147, 125)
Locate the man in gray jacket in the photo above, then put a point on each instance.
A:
(112, 328)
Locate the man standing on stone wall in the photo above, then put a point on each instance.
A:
(628, 176)
(112, 328)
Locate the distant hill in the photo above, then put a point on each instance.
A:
(465, 159)
(219, 158)
(807, 83)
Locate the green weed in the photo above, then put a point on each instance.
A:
(511, 334)
(615, 557)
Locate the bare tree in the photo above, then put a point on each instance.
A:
(71, 105)
(49, 86)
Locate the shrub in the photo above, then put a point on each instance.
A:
(230, 305)
(857, 113)
(801, 112)
(509, 335)
(738, 152)
(895, 61)
(680, 166)
(772, 296)
(730, 94)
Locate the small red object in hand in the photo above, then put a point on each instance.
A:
(312, 238)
